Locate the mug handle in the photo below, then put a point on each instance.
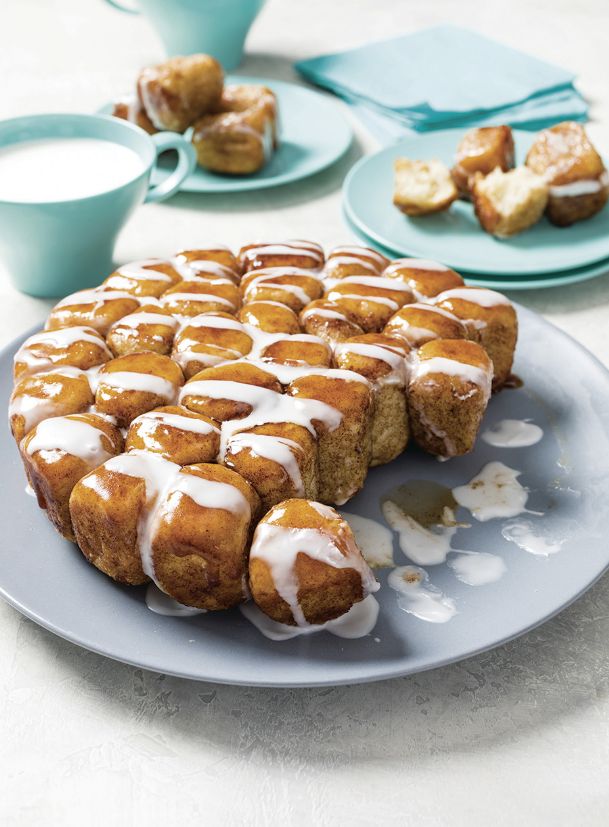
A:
(118, 5)
(187, 160)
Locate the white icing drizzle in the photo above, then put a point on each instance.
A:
(287, 248)
(271, 282)
(451, 367)
(377, 282)
(217, 322)
(373, 539)
(32, 408)
(72, 436)
(277, 449)
(358, 622)
(481, 296)
(416, 264)
(419, 597)
(587, 186)
(279, 547)
(161, 604)
(528, 537)
(494, 492)
(127, 380)
(140, 271)
(425, 546)
(357, 252)
(134, 320)
(267, 406)
(60, 339)
(513, 433)
(324, 313)
(97, 297)
(165, 483)
(477, 568)
(148, 423)
(364, 266)
(391, 357)
(213, 267)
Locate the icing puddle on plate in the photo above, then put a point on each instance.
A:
(422, 514)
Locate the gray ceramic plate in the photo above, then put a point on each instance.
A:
(566, 392)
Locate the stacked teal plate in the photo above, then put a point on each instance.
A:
(544, 256)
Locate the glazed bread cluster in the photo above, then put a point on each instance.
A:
(234, 126)
(192, 421)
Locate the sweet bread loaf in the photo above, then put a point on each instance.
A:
(160, 421)
(130, 109)
(176, 92)
(573, 170)
(482, 150)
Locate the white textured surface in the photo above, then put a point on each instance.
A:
(517, 736)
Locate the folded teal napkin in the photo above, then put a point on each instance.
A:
(447, 76)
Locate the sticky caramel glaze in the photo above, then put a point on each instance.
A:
(304, 254)
(207, 340)
(448, 393)
(298, 350)
(370, 301)
(329, 321)
(269, 316)
(149, 328)
(133, 384)
(143, 278)
(493, 316)
(78, 347)
(419, 323)
(305, 567)
(59, 452)
(174, 93)
(93, 308)
(382, 360)
(278, 459)
(50, 393)
(194, 398)
(425, 279)
(219, 255)
(191, 298)
(345, 451)
(175, 433)
(287, 285)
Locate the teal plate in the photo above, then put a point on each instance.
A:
(314, 133)
(505, 282)
(454, 236)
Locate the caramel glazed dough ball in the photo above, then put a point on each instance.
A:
(191, 421)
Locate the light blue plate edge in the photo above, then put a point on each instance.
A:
(500, 283)
(342, 134)
(370, 233)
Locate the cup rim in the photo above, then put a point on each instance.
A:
(119, 123)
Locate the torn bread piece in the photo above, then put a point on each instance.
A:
(506, 203)
(422, 187)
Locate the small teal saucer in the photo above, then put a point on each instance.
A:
(314, 133)
(454, 236)
(508, 281)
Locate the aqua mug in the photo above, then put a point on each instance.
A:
(187, 27)
(54, 247)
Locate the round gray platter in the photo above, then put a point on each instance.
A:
(566, 392)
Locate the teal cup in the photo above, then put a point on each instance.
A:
(187, 27)
(51, 248)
